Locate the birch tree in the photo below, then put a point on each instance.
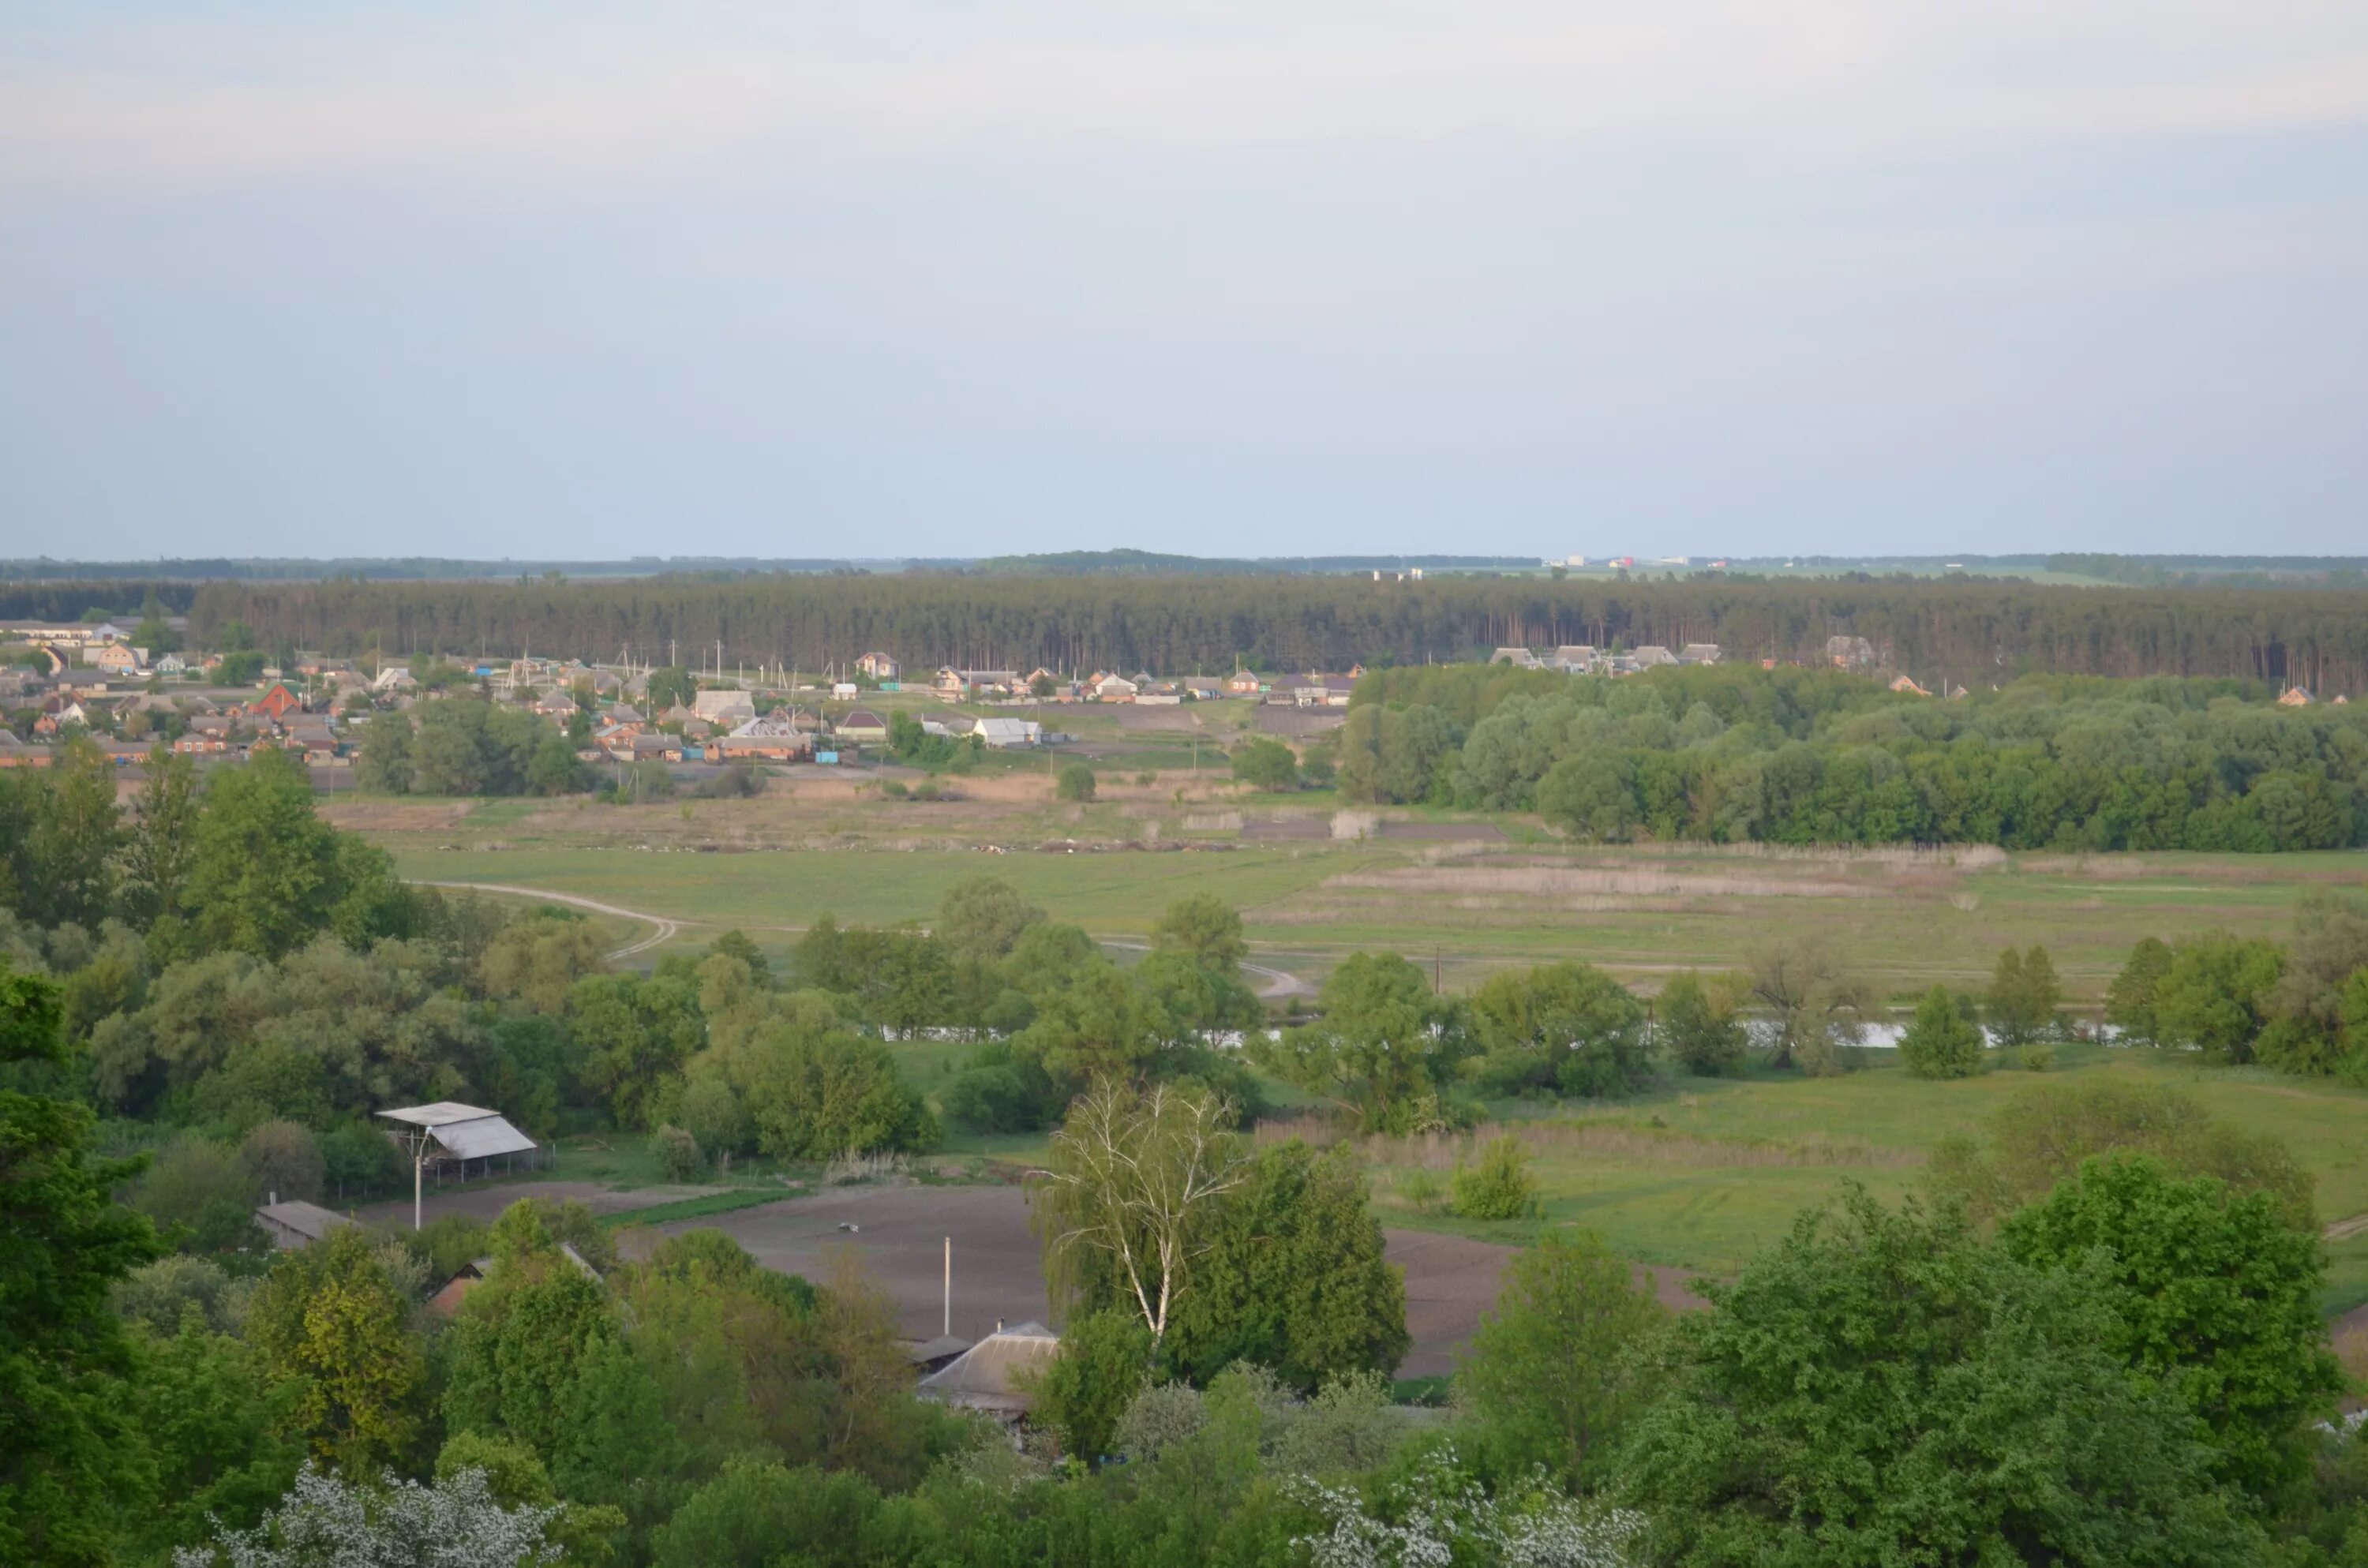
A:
(1134, 1173)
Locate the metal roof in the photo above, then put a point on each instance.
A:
(467, 1132)
(304, 1219)
(437, 1114)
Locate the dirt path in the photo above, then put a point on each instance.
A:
(1279, 984)
(666, 928)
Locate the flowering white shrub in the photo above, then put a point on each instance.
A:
(1439, 1509)
(324, 1523)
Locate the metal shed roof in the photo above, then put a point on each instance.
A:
(467, 1132)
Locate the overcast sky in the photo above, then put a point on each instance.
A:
(890, 278)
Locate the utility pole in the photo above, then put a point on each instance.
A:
(947, 1327)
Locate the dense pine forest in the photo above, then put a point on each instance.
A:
(1976, 631)
(1973, 632)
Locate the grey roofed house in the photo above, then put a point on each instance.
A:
(1652, 653)
(1574, 656)
(462, 1131)
(1002, 732)
(1698, 654)
(989, 1375)
(297, 1224)
(1520, 658)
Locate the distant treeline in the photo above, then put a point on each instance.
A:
(1145, 562)
(1734, 754)
(2218, 571)
(1973, 632)
(395, 569)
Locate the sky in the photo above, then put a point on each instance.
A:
(962, 278)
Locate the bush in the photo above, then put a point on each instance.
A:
(1499, 1187)
(281, 1157)
(736, 782)
(1699, 1025)
(357, 1158)
(1266, 764)
(1103, 1364)
(1941, 1042)
(678, 1153)
(894, 789)
(1075, 782)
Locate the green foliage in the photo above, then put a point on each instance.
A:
(69, 1459)
(2043, 1133)
(1266, 764)
(1700, 1027)
(2130, 1001)
(1883, 1387)
(266, 874)
(1499, 1187)
(1554, 1378)
(1381, 1050)
(2213, 1294)
(1941, 1041)
(679, 1156)
(202, 1196)
(2023, 993)
(330, 1323)
(1103, 1362)
(1075, 782)
(1566, 1027)
(2216, 994)
(1292, 1278)
(213, 1426)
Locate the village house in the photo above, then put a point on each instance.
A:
(1576, 657)
(1903, 684)
(996, 1376)
(276, 703)
(721, 707)
(1245, 683)
(1698, 654)
(770, 737)
(1004, 734)
(863, 727)
(880, 666)
(15, 752)
(118, 658)
(172, 665)
(1651, 655)
(956, 684)
(1114, 688)
(394, 678)
(1520, 658)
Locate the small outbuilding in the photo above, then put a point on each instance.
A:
(990, 1375)
(297, 1224)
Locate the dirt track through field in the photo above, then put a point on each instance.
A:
(666, 928)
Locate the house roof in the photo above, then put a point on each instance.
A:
(989, 1374)
(304, 1219)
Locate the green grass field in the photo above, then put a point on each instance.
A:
(1642, 912)
(1700, 1175)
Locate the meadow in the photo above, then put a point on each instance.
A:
(1696, 1176)
(1313, 882)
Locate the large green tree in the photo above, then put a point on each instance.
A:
(1555, 1375)
(71, 1459)
(2216, 1293)
(263, 873)
(1886, 1388)
(1380, 1051)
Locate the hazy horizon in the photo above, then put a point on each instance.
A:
(917, 281)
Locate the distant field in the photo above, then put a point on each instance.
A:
(1905, 918)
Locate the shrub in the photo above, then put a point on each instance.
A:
(894, 789)
(1699, 1025)
(680, 1153)
(1499, 1187)
(1075, 782)
(281, 1157)
(1941, 1042)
